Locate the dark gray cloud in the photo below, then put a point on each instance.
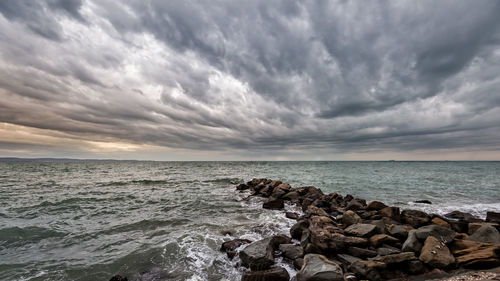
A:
(257, 75)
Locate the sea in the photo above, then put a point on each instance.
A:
(90, 220)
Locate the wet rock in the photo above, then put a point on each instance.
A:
(242, 186)
(423, 201)
(274, 204)
(486, 234)
(387, 250)
(292, 215)
(354, 205)
(471, 254)
(380, 225)
(351, 241)
(435, 253)
(396, 258)
(415, 267)
(291, 195)
(229, 247)
(440, 222)
(319, 268)
(375, 205)
(350, 218)
(298, 228)
(368, 269)
(297, 263)
(493, 217)
(272, 274)
(361, 252)
(292, 251)
(361, 230)
(118, 278)
(444, 234)
(473, 226)
(398, 230)
(457, 215)
(379, 239)
(367, 215)
(315, 211)
(415, 218)
(412, 244)
(392, 213)
(347, 259)
(258, 255)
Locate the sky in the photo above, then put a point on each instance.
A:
(250, 80)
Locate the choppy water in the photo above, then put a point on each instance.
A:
(167, 220)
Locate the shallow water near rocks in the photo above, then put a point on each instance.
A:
(89, 220)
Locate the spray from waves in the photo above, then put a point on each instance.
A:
(479, 209)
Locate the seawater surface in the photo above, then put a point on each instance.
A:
(89, 220)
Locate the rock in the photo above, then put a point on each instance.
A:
(347, 259)
(274, 204)
(379, 239)
(415, 267)
(380, 224)
(398, 230)
(272, 274)
(387, 250)
(462, 216)
(440, 222)
(493, 217)
(470, 254)
(354, 205)
(315, 211)
(319, 268)
(473, 226)
(412, 244)
(361, 230)
(444, 234)
(242, 186)
(350, 218)
(391, 212)
(292, 215)
(361, 252)
(375, 205)
(297, 263)
(423, 201)
(298, 228)
(435, 253)
(368, 269)
(258, 255)
(486, 234)
(229, 247)
(118, 278)
(415, 218)
(291, 195)
(292, 251)
(350, 277)
(396, 258)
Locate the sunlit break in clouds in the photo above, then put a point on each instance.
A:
(250, 80)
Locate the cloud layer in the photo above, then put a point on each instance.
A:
(264, 77)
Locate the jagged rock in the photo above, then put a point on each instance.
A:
(243, 186)
(274, 204)
(412, 244)
(368, 269)
(392, 213)
(292, 251)
(440, 222)
(375, 205)
(398, 230)
(444, 234)
(259, 255)
(361, 230)
(493, 217)
(319, 268)
(457, 215)
(471, 254)
(367, 215)
(396, 258)
(435, 253)
(118, 278)
(486, 234)
(350, 218)
(415, 218)
(229, 247)
(380, 224)
(387, 250)
(361, 252)
(347, 259)
(298, 228)
(379, 239)
(272, 274)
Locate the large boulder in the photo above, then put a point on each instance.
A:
(291, 251)
(486, 234)
(258, 255)
(392, 213)
(361, 230)
(375, 205)
(274, 204)
(398, 230)
(272, 274)
(412, 244)
(298, 228)
(415, 218)
(444, 234)
(361, 252)
(462, 216)
(471, 254)
(319, 268)
(229, 247)
(435, 253)
(350, 218)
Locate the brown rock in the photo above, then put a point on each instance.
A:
(292, 215)
(272, 274)
(292, 251)
(473, 226)
(273, 204)
(391, 212)
(229, 247)
(291, 195)
(440, 222)
(435, 253)
(472, 254)
(315, 211)
(493, 217)
(398, 230)
(396, 258)
(361, 230)
(415, 218)
(379, 239)
(350, 218)
(361, 252)
(368, 269)
(457, 215)
(375, 205)
(298, 228)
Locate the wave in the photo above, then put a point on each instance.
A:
(478, 209)
(18, 236)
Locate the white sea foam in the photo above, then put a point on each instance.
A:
(479, 209)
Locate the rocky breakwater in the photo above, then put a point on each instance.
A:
(344, 238)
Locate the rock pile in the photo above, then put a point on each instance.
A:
(346, 238)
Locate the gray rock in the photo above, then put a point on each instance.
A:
(229, 247)
(399, 231)
(298, 228)
(412, 244)
(387, 250)
(444, 234)
(258, 255)
(486, 234)
(291, 251)
(368, 269)
(375, 205)
(361, 252)
(493, 217)
(347, 259)
(319, 268)
(273, 274)
(361, 230)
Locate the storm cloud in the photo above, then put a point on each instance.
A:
(314, 78)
